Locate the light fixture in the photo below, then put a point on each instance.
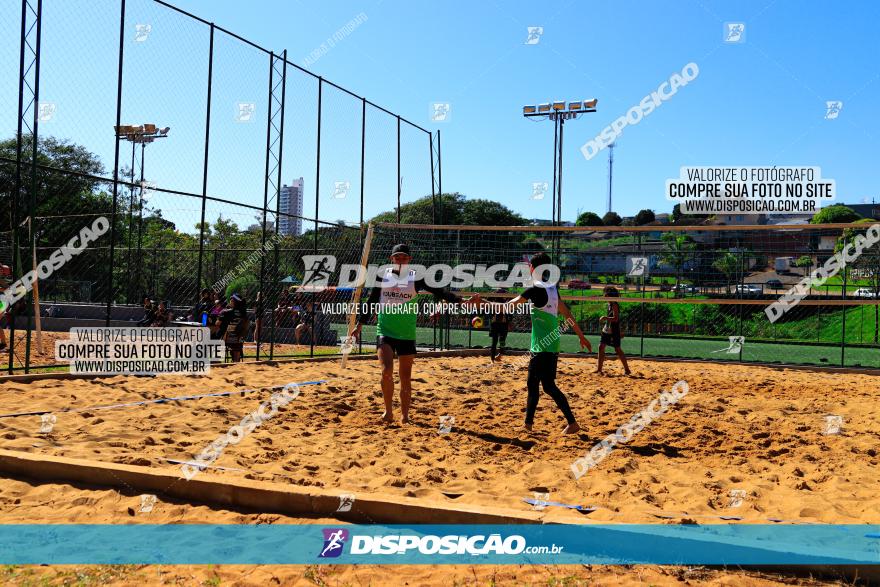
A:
(591, 103)
(529, 109)
(558, 105)
(544, 107)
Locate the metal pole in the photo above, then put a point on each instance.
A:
(555, 161)
(363, 152)
(278, 205)
(433, 185)
(559, 196)
(33, 189)
(440, 175)
(843, 320)
(398, 170)
(317, 208)
(205, 161)
(140, 262)
(110, 294)
(16, 269)
(258, 322)
(130, 228)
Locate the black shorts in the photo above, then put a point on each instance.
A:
(611, 339)
(400, 347)
(498, 329)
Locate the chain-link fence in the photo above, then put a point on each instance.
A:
(194, 159)
(683, 291)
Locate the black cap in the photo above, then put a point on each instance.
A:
(400, 248)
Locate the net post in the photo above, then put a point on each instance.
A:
(356, 295)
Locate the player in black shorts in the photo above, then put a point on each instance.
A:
(611, 331)
(498, 327)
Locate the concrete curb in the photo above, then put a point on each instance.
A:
(257, 495)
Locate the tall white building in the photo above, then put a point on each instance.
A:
(291, 202)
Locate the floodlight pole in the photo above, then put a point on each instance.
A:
(558, 113)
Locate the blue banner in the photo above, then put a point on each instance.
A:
(716, 544)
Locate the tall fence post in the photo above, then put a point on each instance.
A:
(274, 301)
(317, 210)
(843, 298)
(261, 293)
(398, 170)
(205, 161)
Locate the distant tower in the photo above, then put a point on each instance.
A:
(610, 172)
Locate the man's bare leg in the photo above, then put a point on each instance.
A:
(601, 358)
(405, 365)
(386, 359)
(622, 358)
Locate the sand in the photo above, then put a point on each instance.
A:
(23, 501)
(753, 429)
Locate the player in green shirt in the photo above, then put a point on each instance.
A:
(544, 348)
(396, 325)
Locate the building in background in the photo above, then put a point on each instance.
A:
(291, 208)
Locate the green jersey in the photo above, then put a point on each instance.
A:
(545, 320)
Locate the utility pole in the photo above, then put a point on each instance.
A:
(610, 173)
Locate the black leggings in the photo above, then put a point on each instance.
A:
(542, 370)
(496, 336)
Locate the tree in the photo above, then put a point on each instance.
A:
(644, 217)
(838, 213)
(728, 264)
(481, 212)
(612, 219)
(678, 248)
(588, 219)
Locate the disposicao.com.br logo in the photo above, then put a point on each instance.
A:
(431, 544)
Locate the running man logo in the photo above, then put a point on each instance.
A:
(245, 111)
(141, 32)
(47, 423)
(346, 344)
(539, 188)
(637, 266)
(734, 32)
(734, 346)
(832, 109)
(340, 189)
(833, 424)
(318, 269)
(446, 424)
(334, 540)
(540, 500)
(147, 503)
(440, 112)
(736, 498)
(46, 111)
(534, 35)
(346, 501)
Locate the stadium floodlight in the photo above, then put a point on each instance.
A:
(559, 111)
(143, 135)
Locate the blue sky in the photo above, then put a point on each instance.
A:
(755, 103)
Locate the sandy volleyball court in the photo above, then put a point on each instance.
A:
(754, 431)
(23, 501)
